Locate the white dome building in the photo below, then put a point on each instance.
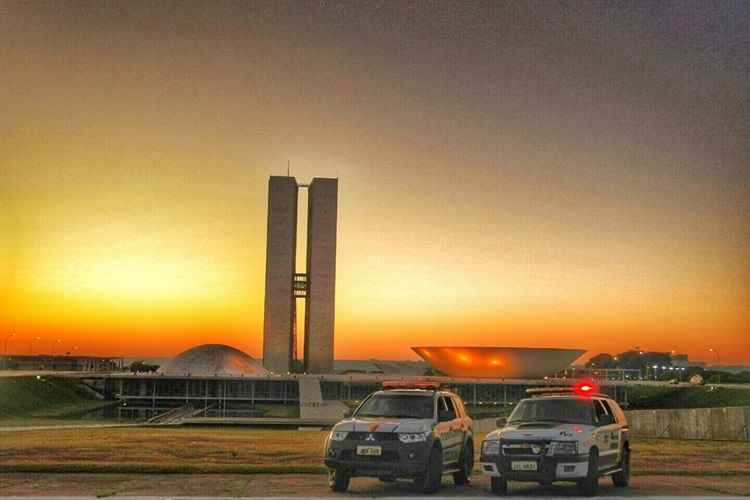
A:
(209, 360)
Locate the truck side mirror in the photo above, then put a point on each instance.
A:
(501, 422)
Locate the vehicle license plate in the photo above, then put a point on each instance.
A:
(523, 465)
(369, 450)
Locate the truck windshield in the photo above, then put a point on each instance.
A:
(397, 406)
(568, 411)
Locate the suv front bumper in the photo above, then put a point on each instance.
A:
(548, 469)
(397, 459)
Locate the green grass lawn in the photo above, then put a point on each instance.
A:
(248, 450)
(38, 401)
(647, 397)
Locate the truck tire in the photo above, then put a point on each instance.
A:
(622, 479)
(589, 486)
(433, 476)
(499, 486)
(338, 480)
(465, 464)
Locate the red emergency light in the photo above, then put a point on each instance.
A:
(586, 388)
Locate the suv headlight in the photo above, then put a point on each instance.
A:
(563, 448)
(491, 448)
(338, 435)
(413, 437)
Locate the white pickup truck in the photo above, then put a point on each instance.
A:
(571, 434)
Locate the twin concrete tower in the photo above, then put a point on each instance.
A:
(284, 285)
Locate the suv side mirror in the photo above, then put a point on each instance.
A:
(348, 413)
(501, 422)
(606, 420)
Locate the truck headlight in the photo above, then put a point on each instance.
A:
(338, 435)
(413, 437)
(563, 448)
(491, 448)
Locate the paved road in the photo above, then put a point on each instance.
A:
(327, 498)
(315, 486)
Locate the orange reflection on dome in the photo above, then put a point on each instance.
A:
(497, 362)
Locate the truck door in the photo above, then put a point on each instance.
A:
(607, 436)
(618, 434)
(450, 428)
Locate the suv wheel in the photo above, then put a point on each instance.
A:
(338, 479)
(433, 476)
(499, 486)
(465, 464)
(622, 479)
(590, 484)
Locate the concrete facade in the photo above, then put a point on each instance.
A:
(321, 275)
(284, 285)
(281, 246)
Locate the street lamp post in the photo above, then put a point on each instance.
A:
(5, 352)
(56, 342)
(716, 353)
(31, 344)
(6, 342)
(52, 357)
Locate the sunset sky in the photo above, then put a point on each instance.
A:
(510, 174)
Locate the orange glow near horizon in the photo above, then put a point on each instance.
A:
(475, 209)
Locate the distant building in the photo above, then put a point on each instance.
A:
(685, 363)
(602, 360)
(210, 360)
(384, 367)
(61, 363)
(284, 285)
(497, 362)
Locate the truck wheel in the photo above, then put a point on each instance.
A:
(622, 479)
(465, 464)
(433, 476)
(589, 486)
(499, 486)
(338, 480)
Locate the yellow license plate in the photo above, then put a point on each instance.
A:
(370, 451)
(524, 466)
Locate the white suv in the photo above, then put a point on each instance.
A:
(560, 435)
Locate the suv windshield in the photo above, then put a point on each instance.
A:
(397, 406)
(569, 411)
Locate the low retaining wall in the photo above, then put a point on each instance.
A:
(728, 424)
(484, 425)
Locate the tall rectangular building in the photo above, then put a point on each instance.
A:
(281, 246)
(321, 275)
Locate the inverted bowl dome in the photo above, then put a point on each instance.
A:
(210, 360)
(497, 362)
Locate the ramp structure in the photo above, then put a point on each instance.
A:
(311, 403)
